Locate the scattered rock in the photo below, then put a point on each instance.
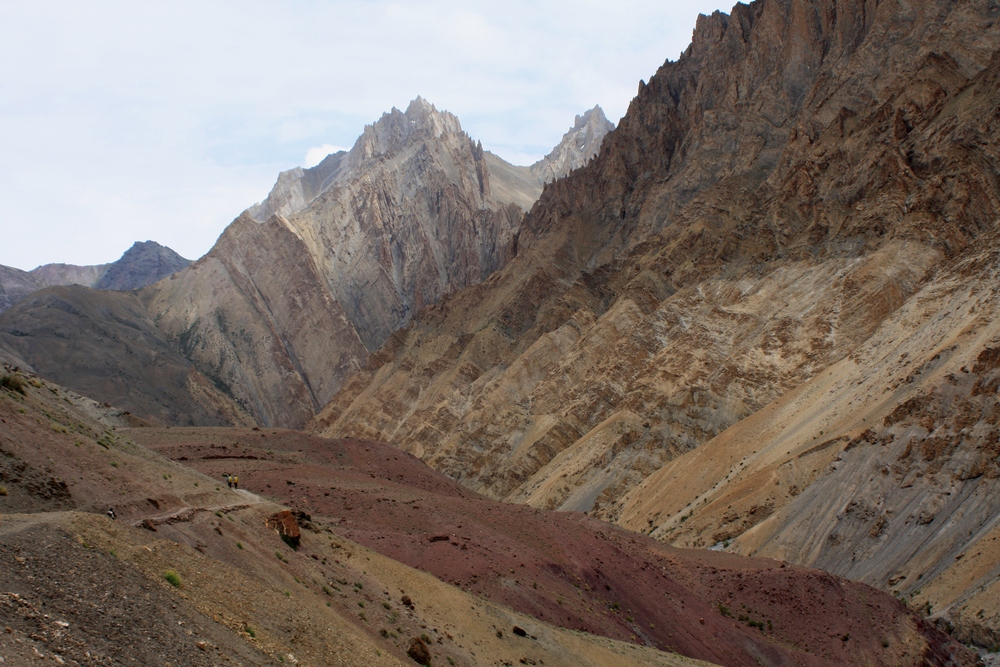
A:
(419, 652)
(285, 524)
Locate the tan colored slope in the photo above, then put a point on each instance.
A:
(881, 469)
(751, 222)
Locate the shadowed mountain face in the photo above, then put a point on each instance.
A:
(103, 344)
(284, 308)
(16, 284)
(145, 263)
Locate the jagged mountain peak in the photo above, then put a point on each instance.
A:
(577, 147)
(397, 129)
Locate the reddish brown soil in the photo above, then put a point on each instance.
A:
(564, 568)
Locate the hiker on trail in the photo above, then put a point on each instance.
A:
(229, 480)
(236, 482)
(111, 514)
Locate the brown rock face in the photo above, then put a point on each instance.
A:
(419, 652)
(769, 201)
(286, 526)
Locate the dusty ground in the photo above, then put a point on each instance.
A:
(78, 587)
(564, 568)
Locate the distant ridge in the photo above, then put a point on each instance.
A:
(578, 146)
(143, 264)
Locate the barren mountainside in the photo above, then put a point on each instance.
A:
(768, 208)
(283, 309)
(394, 555)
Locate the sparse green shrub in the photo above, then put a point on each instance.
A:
(724, 610)
(386, 605)
(239, 545)
(362, 616)
(251, 632)
(12, 383)
(361, 603)
(326, 589)
(3, 490)
(173, 578)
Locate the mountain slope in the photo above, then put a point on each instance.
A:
(768, 201)
(235, 572)
(79, 588)
(103, 343)
(281, 311)
(16, 284)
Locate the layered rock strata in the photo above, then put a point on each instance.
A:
(769, 202)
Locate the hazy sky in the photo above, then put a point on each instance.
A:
(123, 121)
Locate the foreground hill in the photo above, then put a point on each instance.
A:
(81, 589)
(320, 598)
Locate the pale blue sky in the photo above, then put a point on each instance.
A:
(124, 121)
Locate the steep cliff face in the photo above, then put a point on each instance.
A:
(577, 147)
(282, 312)
(766, 204)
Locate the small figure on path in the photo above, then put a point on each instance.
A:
(111, 514)
(236, 482)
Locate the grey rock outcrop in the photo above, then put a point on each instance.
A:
(578, 146)
(282, 311)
